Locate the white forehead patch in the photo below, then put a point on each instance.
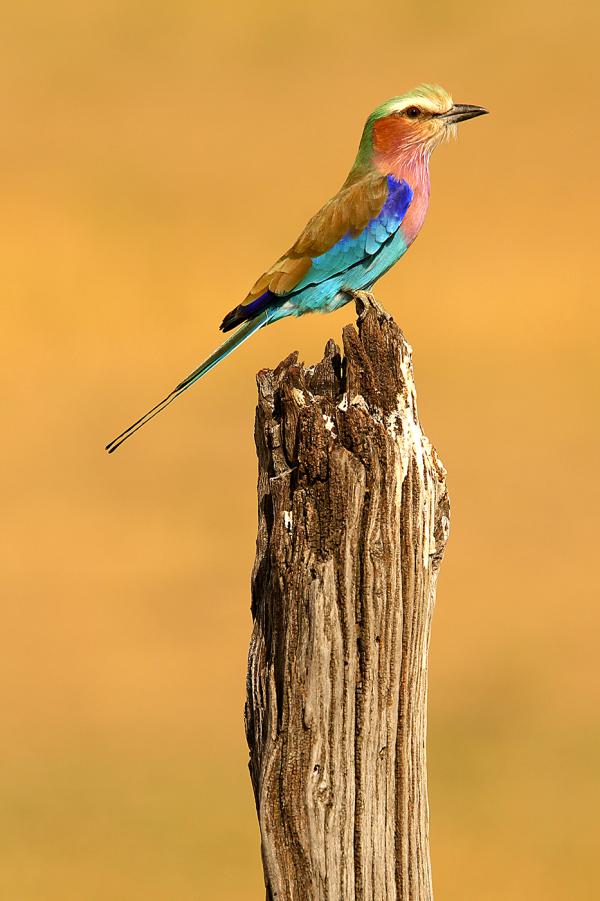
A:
(431, 98)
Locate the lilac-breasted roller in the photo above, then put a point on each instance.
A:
(357, 235)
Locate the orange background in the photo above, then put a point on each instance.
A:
(154, 159)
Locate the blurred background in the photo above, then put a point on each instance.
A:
(154, 159)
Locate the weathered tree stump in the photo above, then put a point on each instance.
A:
(353, 519)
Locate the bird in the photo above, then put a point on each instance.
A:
(357, 236)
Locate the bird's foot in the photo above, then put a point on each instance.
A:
(364, 300)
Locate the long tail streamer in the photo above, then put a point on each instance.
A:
(241, 335)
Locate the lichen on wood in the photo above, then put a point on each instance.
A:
(353, 519)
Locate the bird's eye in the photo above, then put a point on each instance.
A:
(413, 112)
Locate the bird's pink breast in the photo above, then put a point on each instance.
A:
(415, 214)
(413, 168)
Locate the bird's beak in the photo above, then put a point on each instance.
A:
(462, 111)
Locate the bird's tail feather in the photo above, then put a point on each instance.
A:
(241, 335)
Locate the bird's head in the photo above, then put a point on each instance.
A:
(411, 126)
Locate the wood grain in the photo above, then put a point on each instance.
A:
(353, 519)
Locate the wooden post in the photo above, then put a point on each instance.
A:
(353, 519)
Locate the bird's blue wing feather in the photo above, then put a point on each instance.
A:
(323, 273)
(351, 251)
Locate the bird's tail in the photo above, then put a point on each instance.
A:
(241, 335)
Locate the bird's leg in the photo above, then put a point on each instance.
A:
(364, 300)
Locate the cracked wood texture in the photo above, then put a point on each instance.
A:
(353, 518)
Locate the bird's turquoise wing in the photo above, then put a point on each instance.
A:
(349, 231)
(353, 250)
